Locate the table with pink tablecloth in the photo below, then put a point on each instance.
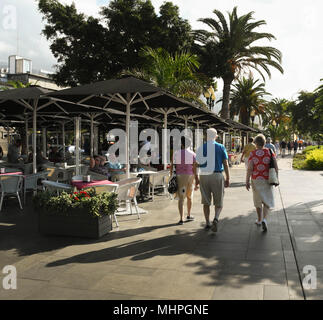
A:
(79, 184)
(11, 173)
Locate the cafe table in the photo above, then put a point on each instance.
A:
(80, 184)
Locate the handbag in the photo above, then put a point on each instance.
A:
(172, 184)
(272, 179)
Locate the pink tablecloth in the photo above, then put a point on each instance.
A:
(79, 184)
(11, 173)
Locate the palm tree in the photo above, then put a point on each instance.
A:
(319, 102)
(247, 96)
(176, 73)
(17, 85)
(229, 49)
(277, 118)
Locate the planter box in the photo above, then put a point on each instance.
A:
(77, 225)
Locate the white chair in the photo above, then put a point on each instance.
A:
(97, 176)
(51, 173)
(77, 178)
(57, 186)
(85, 169)
(158, 180)
(31, 182)
(127, 192)
(11, 185)
(127, 181)
(105, 188)
(63, 175)
(28, 168)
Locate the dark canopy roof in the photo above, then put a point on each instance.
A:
(146, 99)
(240, 126)
(22, 100)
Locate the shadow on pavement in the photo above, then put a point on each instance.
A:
(238, 254)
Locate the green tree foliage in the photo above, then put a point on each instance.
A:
(16, 85)
(90, 49)
(176, 73)
(230, 49)
(307, 114)
(319, 106)
(277, 119)
(246, 96)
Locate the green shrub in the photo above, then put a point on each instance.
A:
(311, 148)
(299, 161)
(314, 159)
(72, 203)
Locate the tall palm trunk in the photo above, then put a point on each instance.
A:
(225, 111)
(244, 116)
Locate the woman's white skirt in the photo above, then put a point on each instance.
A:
(263, 192)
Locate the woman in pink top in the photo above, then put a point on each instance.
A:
(184, 161)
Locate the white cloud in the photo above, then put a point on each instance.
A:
(296, 24)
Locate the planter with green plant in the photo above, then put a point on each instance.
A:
(79, 214)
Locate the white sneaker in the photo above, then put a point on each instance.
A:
(258, 223)
(264, 225)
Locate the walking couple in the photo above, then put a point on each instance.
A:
(212, 160)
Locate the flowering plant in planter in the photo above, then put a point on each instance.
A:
(77, 203)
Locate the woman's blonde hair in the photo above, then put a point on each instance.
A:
(260, 140)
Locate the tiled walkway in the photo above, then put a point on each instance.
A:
(154, 258)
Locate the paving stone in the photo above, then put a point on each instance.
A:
(154, 258)
(276, 292)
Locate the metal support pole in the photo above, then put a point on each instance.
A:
(44, 140)
(92, 137)
(35, 136)
(27, 141)
(96, 139)
(165, 142)
(77, 121)
(127, 135)
(63, 138)
(8, 136)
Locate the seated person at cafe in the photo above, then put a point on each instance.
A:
(55, 156)
(116, 169)
(97, 165)
(14, 152)
(40, 159)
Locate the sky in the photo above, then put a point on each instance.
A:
(296, 24)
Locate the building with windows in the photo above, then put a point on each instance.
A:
(20, 69)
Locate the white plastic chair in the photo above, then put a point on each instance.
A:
(57, 186)
(97, 176)
(31, 182)
(156, 181)
(105, 188)
(127, 192)
(11, 185)
(77, 178)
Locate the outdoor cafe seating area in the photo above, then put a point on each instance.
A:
(96, 108)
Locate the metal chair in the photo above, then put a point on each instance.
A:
(77, 178)
(157, 181)
(11, 185)
(51, 173)
(57, 186)
(102, 188)
(31, 182)
(127, 192)
(97, 176)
